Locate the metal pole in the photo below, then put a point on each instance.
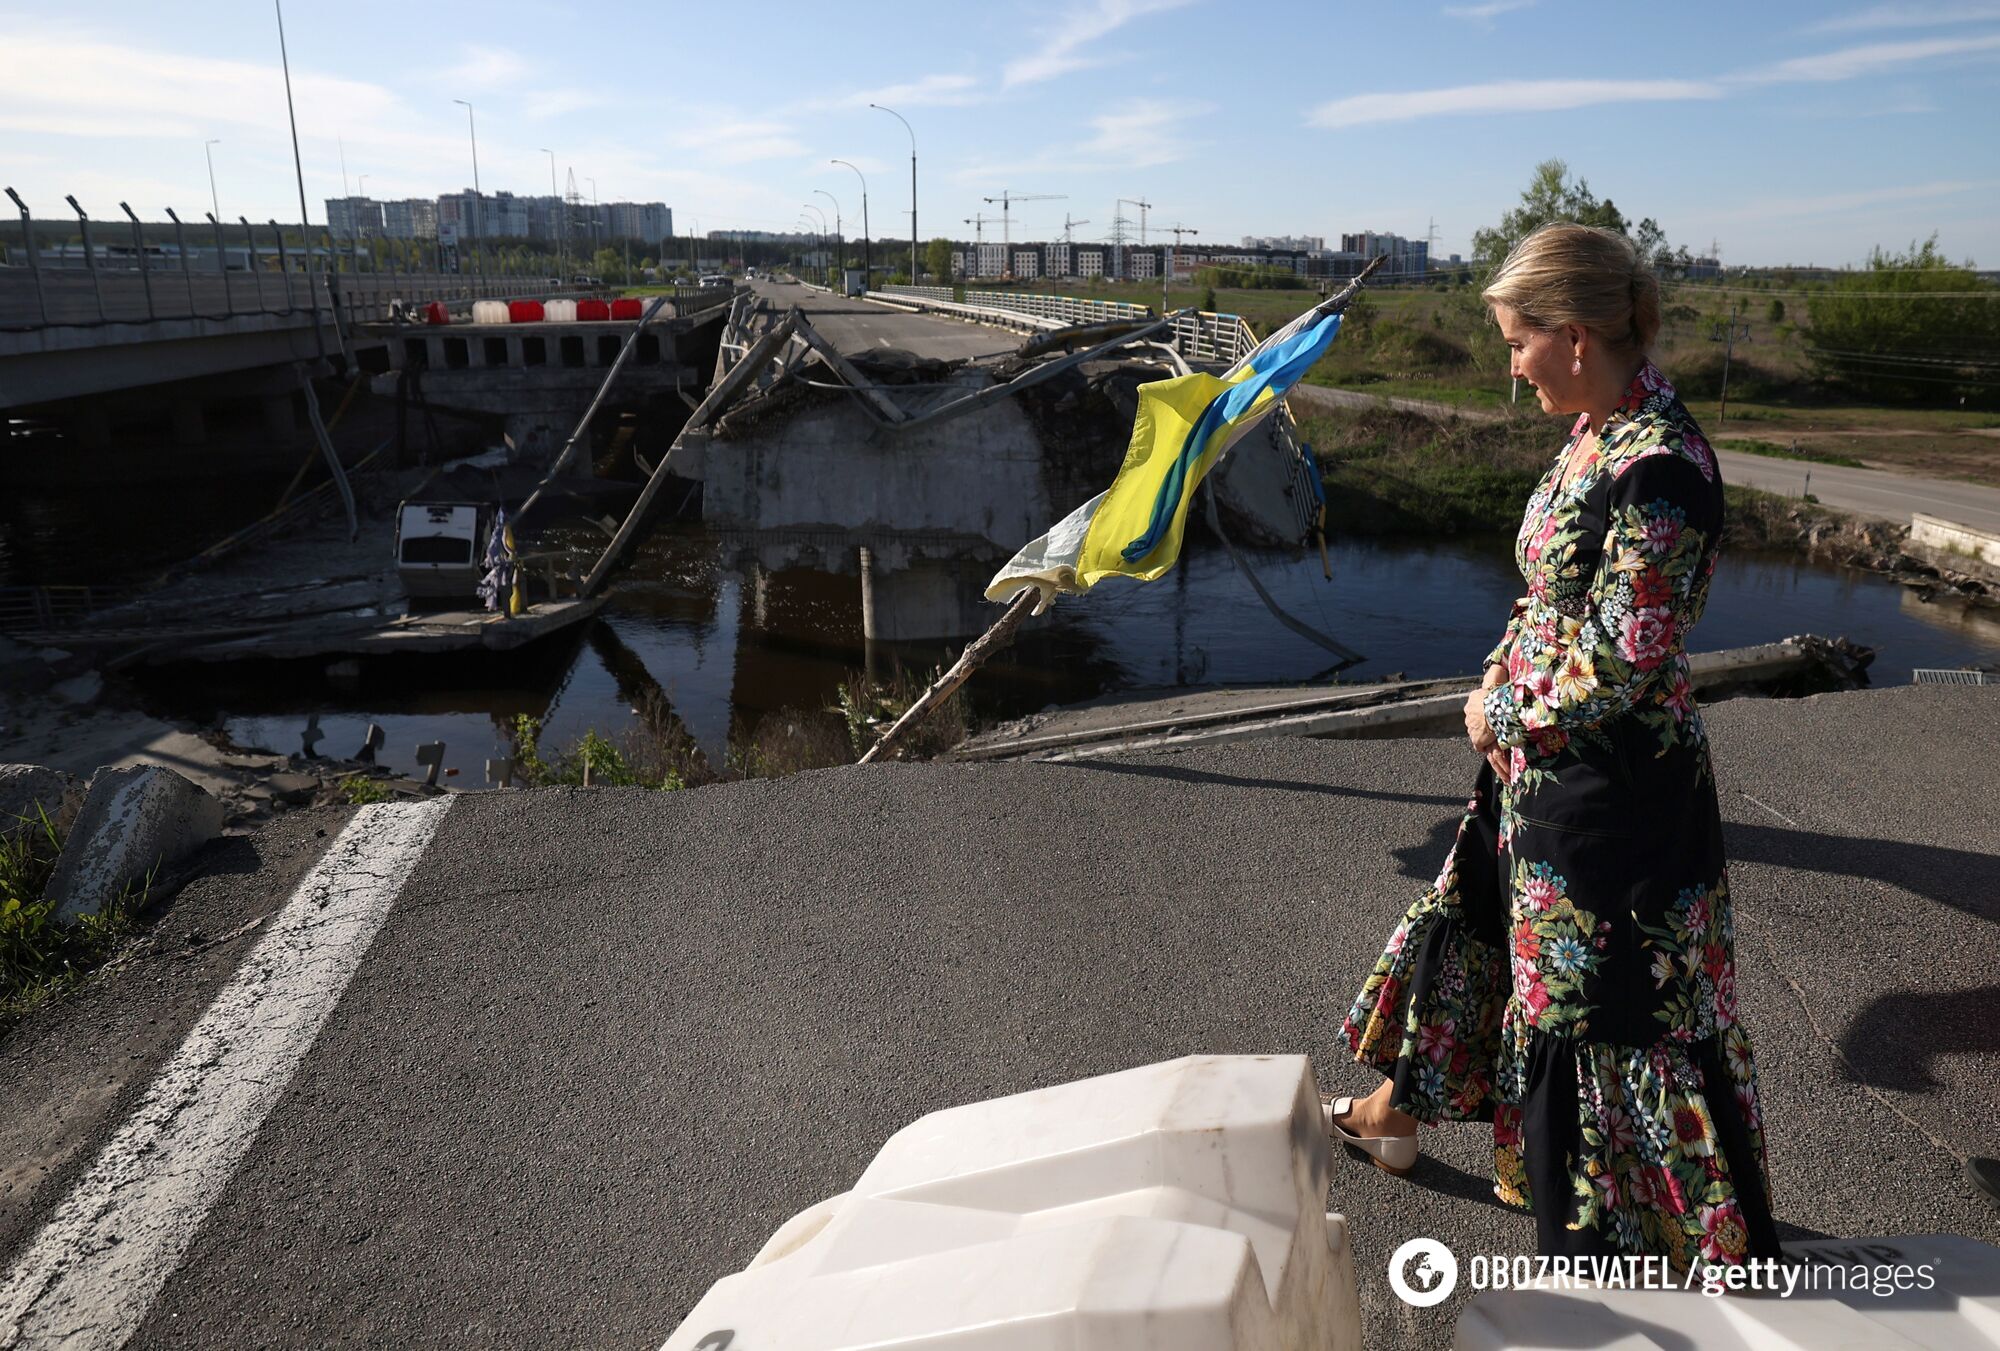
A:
(839, 243)
(299, 168)
(89, 258)
(187, 270)
(478, 200)
(214, 204)
(256, 272)
(285, 262)
(562, 217)
(34, 263)
(139, 247)
(222, 266)
(913, 186)
(867, 265)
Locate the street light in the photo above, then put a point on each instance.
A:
(210, 156)
(562, 217)
(867, 268)
(478, 201)
(913, 186)
(839, 242)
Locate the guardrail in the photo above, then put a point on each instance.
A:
(1203, 337)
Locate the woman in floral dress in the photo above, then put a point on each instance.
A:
(1570, 976)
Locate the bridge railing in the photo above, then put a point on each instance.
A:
(1202, 338)
(113, 279)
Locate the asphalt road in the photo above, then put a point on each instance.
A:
(861, 325)
(608, 1040)
(1867, 492)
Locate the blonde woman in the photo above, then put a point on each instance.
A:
(1570, 976)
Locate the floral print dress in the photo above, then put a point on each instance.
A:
(1570, 976)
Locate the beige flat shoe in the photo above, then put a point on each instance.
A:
(1396, 1154)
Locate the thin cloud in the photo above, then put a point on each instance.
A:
(1066, 49)
(484, 68)
(1777, 208)
(1907, 16)
(1487, 12)
(741, 142)
(1517, 96)
(1504, 96)
(1850, 62)
(931, 91)
(1140, 133)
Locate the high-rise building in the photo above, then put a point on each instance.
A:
(411, 218)
(353, 217)
(1407, 257)
(648, 222)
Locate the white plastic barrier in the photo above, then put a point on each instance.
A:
(489, 311)
(1843, 1296)
(1176, 1207)
(560, 311)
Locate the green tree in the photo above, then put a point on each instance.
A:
(1913, 327)
(1553, 195)
(1775, 311)
(937, 259)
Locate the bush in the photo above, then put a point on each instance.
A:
(1912, 328)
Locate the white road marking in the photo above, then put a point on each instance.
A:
(88, 1278)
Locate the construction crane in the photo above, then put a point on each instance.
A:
(978, 224)
(1144, 207)
(1007, 200)
(1069, 227)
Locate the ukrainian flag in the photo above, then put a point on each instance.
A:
(1184, 427)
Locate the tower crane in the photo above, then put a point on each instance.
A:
(1167, 260)
(1144, 207)
(1007, 200)
(978, 224)
(1069, 227)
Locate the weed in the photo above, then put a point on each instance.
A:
(41, 957)
(361, 789)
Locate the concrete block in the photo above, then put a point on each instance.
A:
(133, 821)
(293, 789)
(26, 791)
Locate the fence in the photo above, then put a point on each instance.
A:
(145, 281)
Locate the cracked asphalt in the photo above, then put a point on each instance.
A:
(608, 1040)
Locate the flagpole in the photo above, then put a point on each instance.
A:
(975, 655)
(1024, 602)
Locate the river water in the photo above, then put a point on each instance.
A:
(729, 646)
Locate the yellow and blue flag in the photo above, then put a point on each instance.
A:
(1183, 428)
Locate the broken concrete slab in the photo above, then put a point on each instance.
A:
(133, 822)
(80, 689)
(28, 792)
(293, 789)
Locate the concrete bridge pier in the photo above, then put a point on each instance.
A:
(535, 437)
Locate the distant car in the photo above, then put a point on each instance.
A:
(714, 279)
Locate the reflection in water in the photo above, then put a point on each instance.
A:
(708, 630)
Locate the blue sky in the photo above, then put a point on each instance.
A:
(1788, 132)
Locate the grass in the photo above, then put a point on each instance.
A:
(1773, 450)
(42, 958)
(1389, 472)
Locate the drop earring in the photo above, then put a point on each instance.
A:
(1576, 366)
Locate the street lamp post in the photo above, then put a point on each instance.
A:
(822, 225)
(867, 267)
(562, 217)
(913, 186)
(839, 236)
(478, 201)
(209, 155)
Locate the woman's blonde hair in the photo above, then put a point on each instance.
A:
(1565, 273)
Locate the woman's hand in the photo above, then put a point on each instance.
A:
(1480, 734)
(1476, 729)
